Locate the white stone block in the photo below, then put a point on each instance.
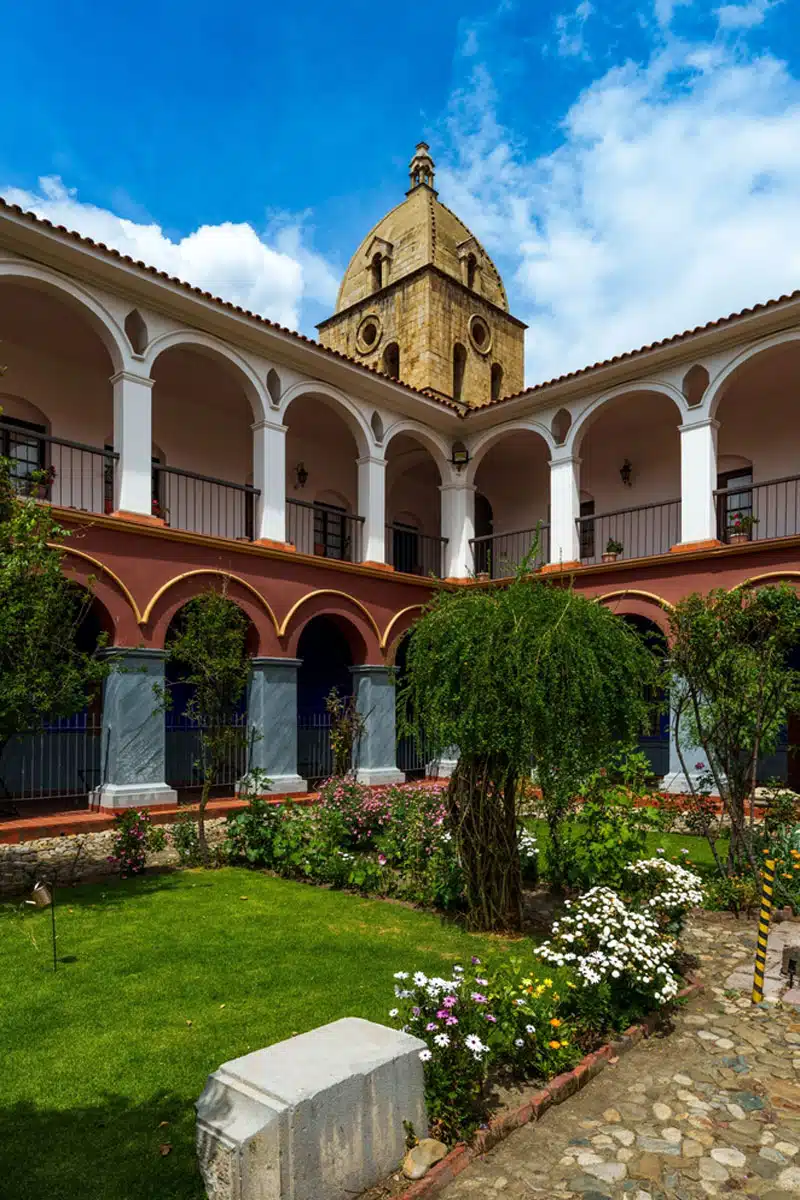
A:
(318, 1117)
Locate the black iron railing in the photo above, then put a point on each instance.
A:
(203, 504)
(69, 474)
(499, 554)
(413, 757)
(314, 753)
(324, 530)
(185, 752)
(648, 529)
(759, 510)
(413, 552)
(64, 760)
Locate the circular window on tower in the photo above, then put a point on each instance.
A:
(369, 334)
(480, 334)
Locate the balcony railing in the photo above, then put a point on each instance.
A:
(69, 474)
(324, 530)
(413, 552)
(760, 510)
(499, 554)
(648, 529)
(203, 504)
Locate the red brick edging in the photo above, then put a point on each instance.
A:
(556, 1092)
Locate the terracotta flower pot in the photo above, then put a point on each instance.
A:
(738, 538)
(610, 556)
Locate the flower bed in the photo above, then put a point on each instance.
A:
(607, 964)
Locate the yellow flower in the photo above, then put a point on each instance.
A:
(555, 996)
(571, 985)
(554, 1045)
(555, 1022)
(548, 983)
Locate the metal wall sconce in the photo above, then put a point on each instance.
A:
(300, 475)
(460, 456)
(625, 472)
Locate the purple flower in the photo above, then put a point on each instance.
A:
(429, 1028)
(442, 1013)
(478, 998)
(699, 766)
(416, 1011)
(450, 1001)
(476, 962)
(489, 1017)
(451, 1021)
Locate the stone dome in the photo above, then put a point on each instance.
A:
(420, 232)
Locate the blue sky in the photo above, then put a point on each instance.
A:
(634, 171)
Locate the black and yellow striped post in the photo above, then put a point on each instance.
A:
(768, 879)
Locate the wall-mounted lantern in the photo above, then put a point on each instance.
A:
(460, 456)
(300, 475)
(625, 472)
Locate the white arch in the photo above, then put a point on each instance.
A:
(254, 389)
(432, 441)
(479, 447)
(100, 319)
(586, 418)
(715, 388)
(356, 420)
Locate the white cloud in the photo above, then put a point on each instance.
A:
(744, 16)
(230, 260)
(671, 201)
(664, 10)
(570, 30)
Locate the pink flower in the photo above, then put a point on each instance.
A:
(450, 1001)
(382, 859)
(429, 1028)
(489, 1017)
(451, 1021)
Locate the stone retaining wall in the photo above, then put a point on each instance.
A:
(76, 858)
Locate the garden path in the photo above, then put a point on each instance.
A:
(712, 1109)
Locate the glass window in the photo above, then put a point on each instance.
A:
(738, 499)
(20, 441)
(330, 540)
(587, 530)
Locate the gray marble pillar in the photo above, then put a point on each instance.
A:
(133, 744)
(695, 757)
(272, 713)
(374, 691)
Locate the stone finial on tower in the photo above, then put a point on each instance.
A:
(421, 168)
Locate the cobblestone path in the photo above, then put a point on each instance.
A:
(713, 1109)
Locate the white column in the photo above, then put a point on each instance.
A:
(458, 526)
(269, 476)
(565, 508)
(372, 507)
(698, 480)
(133, 442)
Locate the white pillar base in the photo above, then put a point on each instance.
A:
(279, 785)
(375, 776)
(133, 795)
(441, 768)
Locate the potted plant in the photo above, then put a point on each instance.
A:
(40, 482)
(613, 549)
(740, 528)
(159, 511)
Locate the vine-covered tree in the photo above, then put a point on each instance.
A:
(531, 675)
(209, 652)
(44, 670)
(733, 682)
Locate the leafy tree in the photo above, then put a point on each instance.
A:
(44, 671)
(732, 685)
(529, 675)
(209, 650)
(347, 729)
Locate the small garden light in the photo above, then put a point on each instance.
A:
(43, 896)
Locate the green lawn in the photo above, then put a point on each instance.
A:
(165, 978)
(699, 858)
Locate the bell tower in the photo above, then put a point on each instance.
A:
(422, 302)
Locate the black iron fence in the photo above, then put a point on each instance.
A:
(69, 474)
(413, 756)
(185, 752)
(63, 761)
(314, 752)
(499, 554)
(648, 529)
(203, 504)
(324, 530)
(761, 510)
(413, 552)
